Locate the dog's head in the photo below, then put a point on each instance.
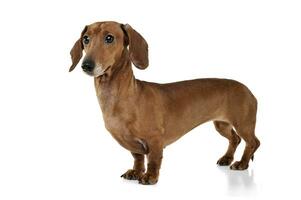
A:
(104, 44)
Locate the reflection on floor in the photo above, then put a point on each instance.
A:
(239, 183)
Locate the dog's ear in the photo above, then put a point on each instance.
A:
(77, 50)
(138, 47)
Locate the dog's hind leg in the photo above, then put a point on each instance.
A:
(138, 168)
(252, 144)
(226, 130)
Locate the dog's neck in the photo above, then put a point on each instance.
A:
(118, 84)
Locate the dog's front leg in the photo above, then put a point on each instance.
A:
(154, 158)
(138, 168)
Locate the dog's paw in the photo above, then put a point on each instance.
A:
(225, 161)
(238, 165)
(132, 174)
(148, 179)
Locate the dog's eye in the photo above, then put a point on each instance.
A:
(86, 39)
(109, 38)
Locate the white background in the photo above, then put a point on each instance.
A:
(53, 144)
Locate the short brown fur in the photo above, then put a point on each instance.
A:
(145, 117)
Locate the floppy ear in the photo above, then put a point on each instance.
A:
(77, 51)
(138, 47)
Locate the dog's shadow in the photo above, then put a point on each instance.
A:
(239, 183)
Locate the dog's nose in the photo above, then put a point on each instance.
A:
(88, 65)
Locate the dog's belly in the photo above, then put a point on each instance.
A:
(175, 131)
(179, 125)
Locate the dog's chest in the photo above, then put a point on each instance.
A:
(122, 132)
(122, 119)
(119, 119)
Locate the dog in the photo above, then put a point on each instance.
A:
(145, 117)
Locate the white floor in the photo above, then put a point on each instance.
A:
(85, 163)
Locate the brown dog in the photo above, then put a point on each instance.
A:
(146, 117)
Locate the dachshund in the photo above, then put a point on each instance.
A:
(145, 117)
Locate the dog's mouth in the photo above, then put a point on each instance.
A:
(98, 71)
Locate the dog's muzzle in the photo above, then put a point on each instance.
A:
(90, 68)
